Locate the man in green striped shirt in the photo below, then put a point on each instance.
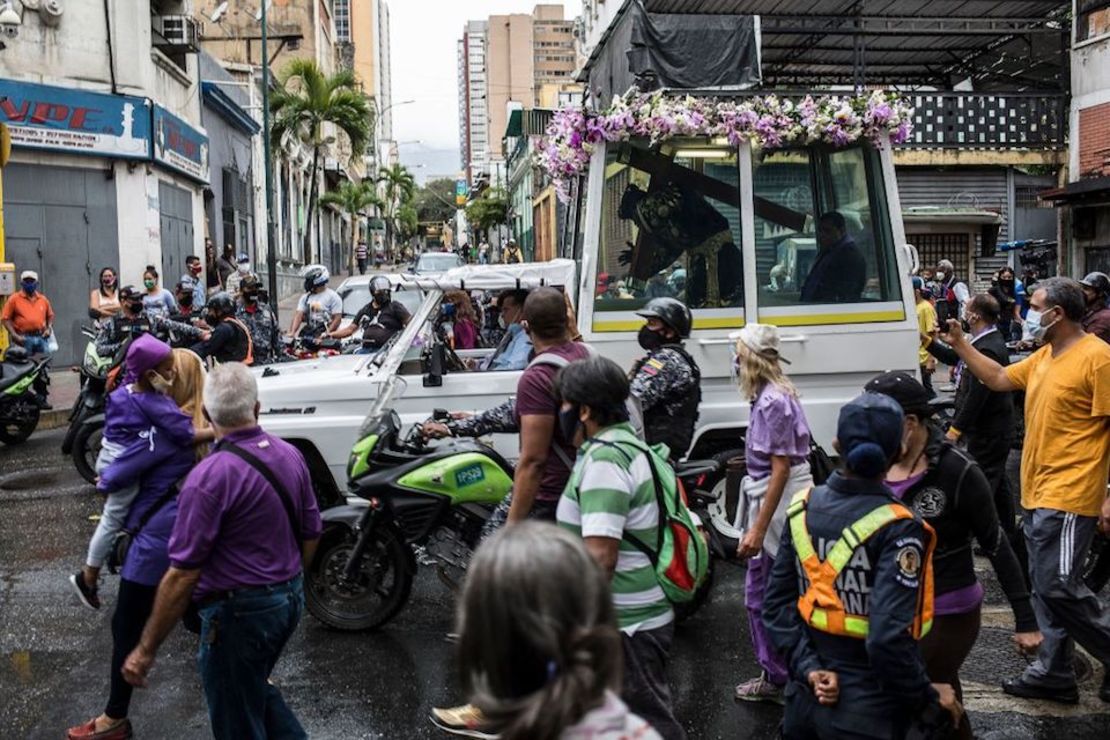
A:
(610, 502)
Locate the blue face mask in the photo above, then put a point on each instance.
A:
(30, 286)
(1033, 325)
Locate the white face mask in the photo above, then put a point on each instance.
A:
(159, 384)
(940, 276)
(1033, 325)
(244, 267)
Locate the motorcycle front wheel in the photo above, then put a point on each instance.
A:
(86, 448)
(16, 430)
(381, 588)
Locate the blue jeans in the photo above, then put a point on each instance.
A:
(35, 344)
(240, 641)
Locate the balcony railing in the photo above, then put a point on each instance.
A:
(987, 120)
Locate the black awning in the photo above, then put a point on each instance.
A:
(1091, 191)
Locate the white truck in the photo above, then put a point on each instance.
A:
(733, 231)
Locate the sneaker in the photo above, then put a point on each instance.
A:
(1026, 689)
(88, 596)
(759, 689)
(466, 720)
(87, 731)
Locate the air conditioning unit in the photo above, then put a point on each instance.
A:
(178, 32)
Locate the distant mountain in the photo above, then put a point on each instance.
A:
(430, 163)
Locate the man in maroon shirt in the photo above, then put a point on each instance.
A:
(247, 523)
(545, 457)
(1096, 288)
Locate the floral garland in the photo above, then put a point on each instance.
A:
(769, 122)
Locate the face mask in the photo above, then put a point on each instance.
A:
(250, 297)
(244, 268)
(195, 269)
(150, 284)
(568, 423)
(940, 276)
(108, 282)
(501, 322)
(30, 286)
(649, 339)
(136, 307)
(1033, 325)
(160, 384)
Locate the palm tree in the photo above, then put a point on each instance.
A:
(353, 198)
(305, 100)
(400, 186)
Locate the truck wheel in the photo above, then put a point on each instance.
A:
(86, 448)
(382, 587)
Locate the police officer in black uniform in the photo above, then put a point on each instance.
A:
(379, 319)
(128, 324)
(666, 382)
(229, 340)
(850, 595)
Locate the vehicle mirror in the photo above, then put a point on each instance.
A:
(437, 359)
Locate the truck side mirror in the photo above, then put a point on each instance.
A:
(437, 358)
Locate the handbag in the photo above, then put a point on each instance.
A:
(121, 543)
(820, 464)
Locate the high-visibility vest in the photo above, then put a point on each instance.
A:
(249, 359)
(820, 605)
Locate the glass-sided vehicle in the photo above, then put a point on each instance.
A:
(435, 263)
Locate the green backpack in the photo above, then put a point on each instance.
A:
(682, 561)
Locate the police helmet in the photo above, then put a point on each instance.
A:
(131, 296)
(1098, 281)
(380, 289)
(221, 304)
(671, 312)
(15, 353)
(315, 276)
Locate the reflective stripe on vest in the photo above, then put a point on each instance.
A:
(820, 605)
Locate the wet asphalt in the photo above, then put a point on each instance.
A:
(54, 653)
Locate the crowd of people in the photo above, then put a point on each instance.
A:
(861, 591)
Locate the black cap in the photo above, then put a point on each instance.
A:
(903, 388)
(869, 433)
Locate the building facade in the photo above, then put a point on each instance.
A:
(110, 160)
(473, 105)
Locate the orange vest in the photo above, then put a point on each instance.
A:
(820, 605)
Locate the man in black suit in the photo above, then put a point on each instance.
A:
(984, 418)
(839, 274)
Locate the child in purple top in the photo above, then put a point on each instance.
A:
(138, 416)
(776, 451)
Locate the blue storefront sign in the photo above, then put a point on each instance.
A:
(75, 121)
(179, 146)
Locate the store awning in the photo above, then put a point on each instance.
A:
(1091, 191)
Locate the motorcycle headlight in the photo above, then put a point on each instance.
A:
(359, 462)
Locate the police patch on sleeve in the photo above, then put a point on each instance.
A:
(909, 559)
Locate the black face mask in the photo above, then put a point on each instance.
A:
(135, 308)
(568, 422)
(649, 339)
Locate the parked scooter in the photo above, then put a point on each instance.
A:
(86, 420)
(23, 382)
(426, 505)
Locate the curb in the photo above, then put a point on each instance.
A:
(53, 419)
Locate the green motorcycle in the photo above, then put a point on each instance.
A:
(23, 383)
(424, 504)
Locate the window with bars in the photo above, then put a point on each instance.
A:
(932, 248)
(237, 210)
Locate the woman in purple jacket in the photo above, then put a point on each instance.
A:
(155, 468)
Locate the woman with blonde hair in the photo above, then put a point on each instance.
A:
(188, 389)
(776, 450)
(539, 649)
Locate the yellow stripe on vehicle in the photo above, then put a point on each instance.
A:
(818, 319)
(705, 322)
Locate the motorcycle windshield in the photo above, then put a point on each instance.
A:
(391, 391)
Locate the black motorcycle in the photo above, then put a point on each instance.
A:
(86, 418)
(23, 385)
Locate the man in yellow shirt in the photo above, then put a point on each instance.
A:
(927, 328)
(1064, 469)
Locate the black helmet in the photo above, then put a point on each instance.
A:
(1098, 281)
(130, 296)
(221, 304)
(671, 312)
(315, 276)
(380, 289)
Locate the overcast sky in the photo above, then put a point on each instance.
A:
(424, 34)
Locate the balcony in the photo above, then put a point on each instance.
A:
(989, 120)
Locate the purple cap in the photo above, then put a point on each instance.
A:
(145, 353)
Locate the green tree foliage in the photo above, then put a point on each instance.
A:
(400, 186)
(435, 201)
(489, 210)
(354, 199)
(408, 222)
(305, 100)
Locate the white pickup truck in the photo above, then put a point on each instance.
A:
(751, 266)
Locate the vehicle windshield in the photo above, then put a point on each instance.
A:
(437, 262)
(355, 297)
(390, 392)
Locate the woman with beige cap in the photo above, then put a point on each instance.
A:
(776, 450)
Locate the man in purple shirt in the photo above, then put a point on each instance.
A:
(239, 544)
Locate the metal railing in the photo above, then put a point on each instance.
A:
(989, 120)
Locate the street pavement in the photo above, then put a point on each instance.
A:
(54, 653)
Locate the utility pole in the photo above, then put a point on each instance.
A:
(271, 247)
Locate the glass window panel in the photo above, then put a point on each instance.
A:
(670, 226)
